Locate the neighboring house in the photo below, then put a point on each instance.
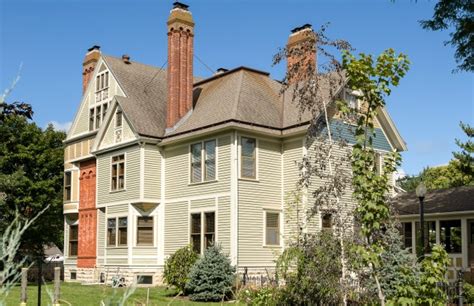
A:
(159, 159)
(449, 218)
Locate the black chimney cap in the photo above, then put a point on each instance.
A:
(180, 5)
(94, 47)
(305, 26)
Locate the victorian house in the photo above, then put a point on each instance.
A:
(157, 159)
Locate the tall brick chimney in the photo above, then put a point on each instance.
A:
(180, 63)
(301, 51)
(88, 66)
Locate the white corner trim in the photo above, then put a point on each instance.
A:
(234, 199)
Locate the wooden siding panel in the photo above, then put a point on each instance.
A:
(178, 168)
(132, 176)
(152, 188)
(292, 155)
(254, 196)
(203, 203)
(223, 224)
(117, 209)
(176, 226)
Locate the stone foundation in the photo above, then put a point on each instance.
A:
(101, 275)
(256, 276)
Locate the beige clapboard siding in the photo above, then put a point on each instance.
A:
(152, 182)
(132, 176)
(254, 196)
(110, 139)
(178, 169)
(204, 204)
(117, 209)
(66, 243)
(144, 251)
(345, 203)
(117, 251)
(82, 124)
(101, 232)
(292, 155)
(223, 224)
(176, 226)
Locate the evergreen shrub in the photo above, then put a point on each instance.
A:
(212, 277)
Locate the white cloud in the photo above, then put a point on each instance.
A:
(399, 173)
(64, 126)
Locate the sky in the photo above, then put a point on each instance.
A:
(49, 38)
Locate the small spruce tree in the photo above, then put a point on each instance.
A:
(212, 277)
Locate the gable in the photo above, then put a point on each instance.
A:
(112, 133)
(96, 100)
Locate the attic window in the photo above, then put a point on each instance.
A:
(102, 86)
(118, 118)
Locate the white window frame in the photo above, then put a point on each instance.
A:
(100, 91)
(280, 227)
(124, 173)
(116, 245)
(95, 125)
(203, 162)
(153, 244)
(257, 145)
(202, 212)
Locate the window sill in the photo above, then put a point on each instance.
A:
(145, 246)
(117, 191)
(269, 246)
(203, 183)
(249, 179)
(122, 247)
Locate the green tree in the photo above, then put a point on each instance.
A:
(31, 178)
(457, 14)
(178, 266)
(212, 277)
(466, 156)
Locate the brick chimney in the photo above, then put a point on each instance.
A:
(88, 66)
(180, 63)
(301, 52)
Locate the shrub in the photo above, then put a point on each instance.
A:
(468, 292)
(264, 296)
(311, 271)
(178, 266)
(212, 277)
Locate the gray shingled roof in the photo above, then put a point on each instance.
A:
(243, 95)
(457, 199)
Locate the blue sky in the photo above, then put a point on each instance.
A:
(50, 38)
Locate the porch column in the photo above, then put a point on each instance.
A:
(438, 232)
(464, 241)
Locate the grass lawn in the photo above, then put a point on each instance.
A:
(85, 295)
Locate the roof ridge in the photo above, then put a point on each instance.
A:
(237, 99)
(134, 62)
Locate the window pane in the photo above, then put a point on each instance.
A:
(210, 149)
(407, 234)
(272, 228)
(73, 232)
(429, 232)
(196, 172)
(145, 231)
(196, 223)
(97, 117)
(91, 119)
(111, 224)
(451, 235)
(73, 248)
(107, 79)
(97, 83)
(122, 224)
(196, 242)
(104, 110)
(118, 119)
(327, 221)
(210, 222)
(248, 157)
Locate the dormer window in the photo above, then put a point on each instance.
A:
(102, 86)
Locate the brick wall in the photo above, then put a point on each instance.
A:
(87, 215)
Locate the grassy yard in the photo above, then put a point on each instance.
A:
(85, 295)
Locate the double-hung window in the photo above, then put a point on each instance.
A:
(67, 186)
(203, 161)
(118, 172)
(117, 231)
(118, 119)
(145, 231)
(272, 228)
(102, 86)
(326, 221)
(73, 239)
(248, 158)
(203, 230)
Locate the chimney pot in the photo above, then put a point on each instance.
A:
(180, 5)
(126, 58)
(94, 47)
